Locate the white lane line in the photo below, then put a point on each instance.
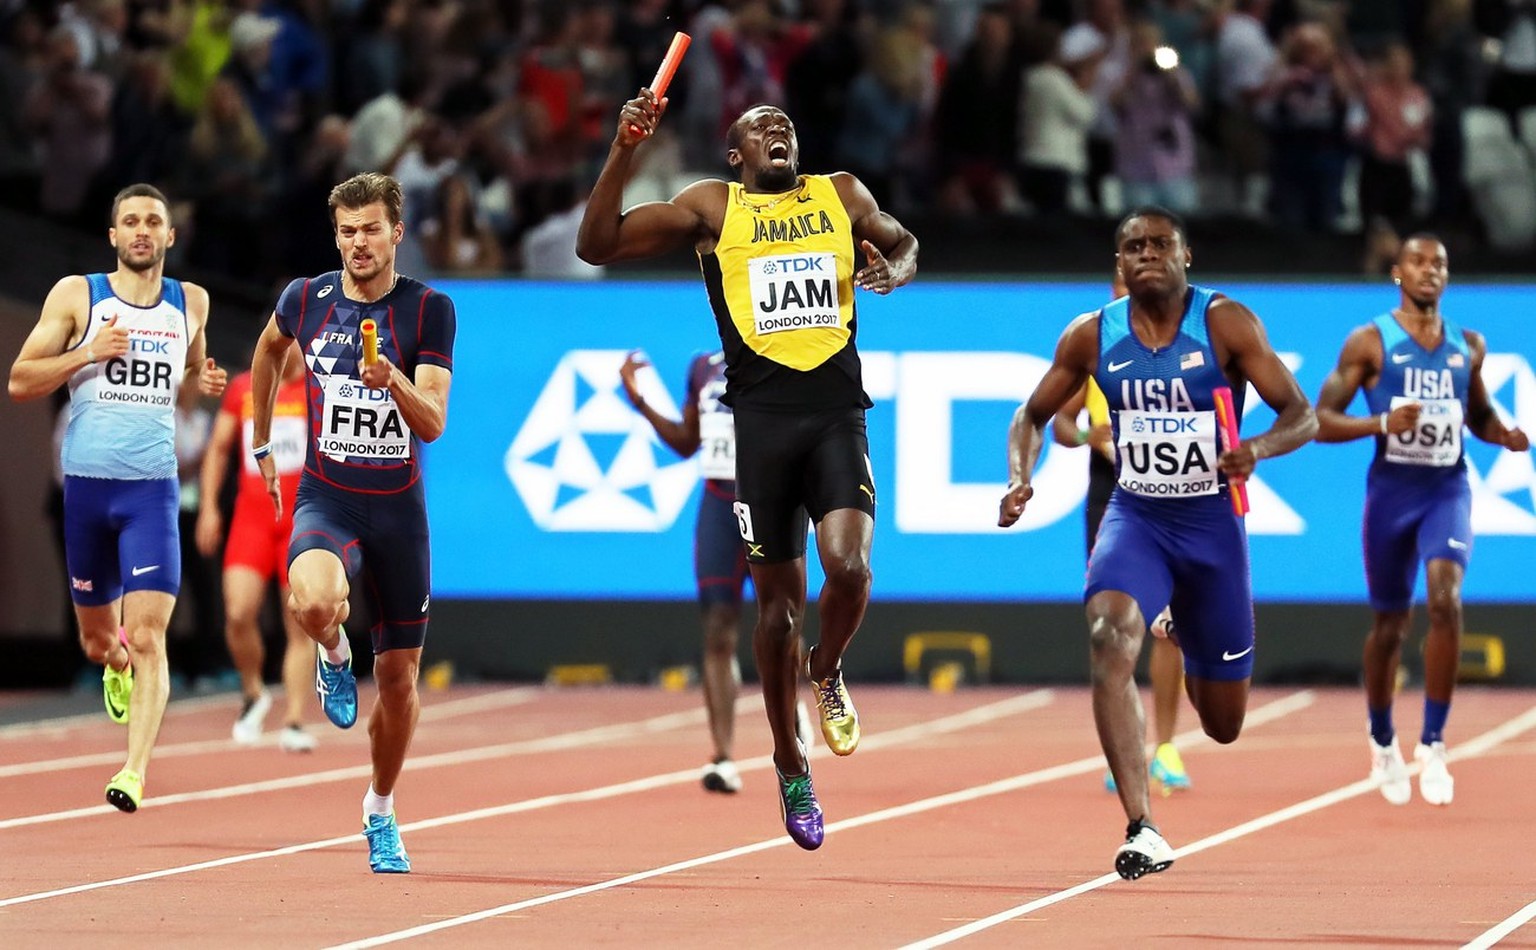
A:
(1092, 763)
(555, 743)
(27, 730)
(1504, 928)
(1522, 723)
(992, 711)
(171, 750)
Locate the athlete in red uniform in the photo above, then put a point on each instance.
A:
(257, 549)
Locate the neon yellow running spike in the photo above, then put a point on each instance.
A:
(1168, 769)
(116, 689)
(126, 790)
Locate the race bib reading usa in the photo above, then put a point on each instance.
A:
(1168, 454)
(1435, 441)
(794, 292)
(359, 422)
(717, 445)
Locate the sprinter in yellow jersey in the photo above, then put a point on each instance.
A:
(777, 251)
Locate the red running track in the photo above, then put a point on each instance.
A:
(573, 817)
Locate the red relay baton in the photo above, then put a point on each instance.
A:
(1226, 417)
(669, 64)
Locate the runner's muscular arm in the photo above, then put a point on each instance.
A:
(423, 402)
(1359, 365)
(43, 364)
(890, 248)
(1075, 354)
(1247, 346)
(211, 380)
(609, 233)
(266, 369)
(1064, 428)
(1482, 421)
(682, 436)
(210, 521)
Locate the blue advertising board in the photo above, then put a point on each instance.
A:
(548, 485)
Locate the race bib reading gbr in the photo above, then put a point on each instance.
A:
(148, 375)
(358, 422)
(1168, 454)
(794, 292)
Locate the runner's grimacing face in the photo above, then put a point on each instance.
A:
(1423, 267)
(142, 232)
(1152, 256)
(366, 240)
(769, 152)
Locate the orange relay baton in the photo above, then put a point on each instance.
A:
(1226, 417)
(669, 64)
(370, 341)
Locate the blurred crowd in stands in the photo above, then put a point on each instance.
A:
(1363, 116)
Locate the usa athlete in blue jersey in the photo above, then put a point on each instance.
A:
(1422, 378)
(360, 503)
(1169, 537)
(125, 343)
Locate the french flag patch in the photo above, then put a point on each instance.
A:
(1192, 360)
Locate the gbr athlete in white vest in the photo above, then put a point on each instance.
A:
(125, 343)
(1169, 536)
(777, 254)
(1422, 378)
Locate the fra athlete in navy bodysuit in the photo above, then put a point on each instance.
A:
(360, 511)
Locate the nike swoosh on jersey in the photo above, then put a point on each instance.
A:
(1117, 367)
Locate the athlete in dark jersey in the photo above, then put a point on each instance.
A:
(1422, 377)
(719, 560)
(1169, 535)
(777, 255)
(360, 501)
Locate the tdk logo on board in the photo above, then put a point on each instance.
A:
(1504, 483)
(584, 460)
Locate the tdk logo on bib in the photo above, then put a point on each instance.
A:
(795, 265)
(584, 460)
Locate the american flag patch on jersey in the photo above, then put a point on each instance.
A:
(1191, 360)
(1454, 360)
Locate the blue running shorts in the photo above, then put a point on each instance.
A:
(120, 536)
(387, 533)
(719, 555)
(1409, 519)
(1192, 555)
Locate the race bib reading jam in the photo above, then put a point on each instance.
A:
(358, 422)
(794, 292)
(1435, 441)
(1168, 454)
